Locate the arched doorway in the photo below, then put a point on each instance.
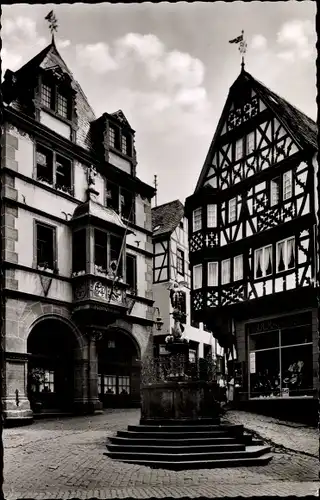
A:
(51, 347)
(118, 370)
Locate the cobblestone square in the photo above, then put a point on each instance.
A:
(65, 458)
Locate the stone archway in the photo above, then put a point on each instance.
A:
(54, 349)
(118, 369)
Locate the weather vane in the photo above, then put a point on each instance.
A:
(53, 23)
(242, 46)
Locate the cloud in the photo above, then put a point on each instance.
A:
(62, 44)
(298, 39)
(97, 57)
(258, 42)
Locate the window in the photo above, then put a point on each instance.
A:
(183, 305)
(56, 98)
(126, 144)
(63, 173)
(197, 276)
(180, 262)
(46, 95)
(99, 384)
(263, 262)
(192, 356)
(44, 165)
(112, 137)
(124, 385)
(197, 219)
(79, 255)
(225, 271)
(181, 225)
(207, 351)
(46, 246)
(275, 191)
(121, 201)
(101, 250)
(281, 362)
(232, 210)
(116, 255)
(110, 384)
(287, 185)
(62, 105)
(54, 169)
(285, 255)
(211, 215)
(111, 344)
(250, 143)
(131, 271)
(212, 273)
(48, 384)
(238, 268)
(239, 149)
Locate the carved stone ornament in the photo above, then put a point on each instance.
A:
(80, 292)
(45, 283)
(99, 290)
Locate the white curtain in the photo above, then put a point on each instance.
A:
(238, 268)
(258, 263)
(281, 256)
(225, 271)
(211, 215)
(274, 191)
(267, 260)
(212, 273)
(197, 276)
(290, 253)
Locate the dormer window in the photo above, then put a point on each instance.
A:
(124, 145)
(112, 137)
(119, 140)
(54, 96)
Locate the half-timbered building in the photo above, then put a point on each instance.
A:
(171, 265)
(77, 247)
(252, 243)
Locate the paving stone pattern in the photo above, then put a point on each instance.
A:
(64, 459)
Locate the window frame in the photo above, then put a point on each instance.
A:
(120, 192)
(197, 219)
(180, 260)
(57, 89)
(52, 154)
(249, 136)
(215, 281)
(38, 263)
(285, 240)
(238, 152)
(240, 277)
(264, 275)
(231, 221)
(276, 181)
(194, 268)
(223, 282)
(135, 280)
(290, 173)
(213, 216)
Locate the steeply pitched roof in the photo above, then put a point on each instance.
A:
(165, 218)
(303, 129)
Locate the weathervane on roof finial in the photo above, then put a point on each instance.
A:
(53, 23)
(242, 46)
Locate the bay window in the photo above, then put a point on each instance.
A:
(263, 262)
(212, 273)
(238, 268)
(197, 219)
(211, 215)
(285, 253)
(197, 276)
(101, 249)
(225, 271)
(79, 254)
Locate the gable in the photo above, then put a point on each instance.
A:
(256, 130)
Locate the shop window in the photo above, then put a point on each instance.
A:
(124, 385)
(238, 268)
(131, 271)
(180, 262)
(48, 383)
(197, 219)
(263, 262)
(79, 254)
(44, 165)
(197, 276)
(46, 246)
(110, 384)
(225, 271)
(232, 213)
(280, 362)
(212, 273)
(285, 255)
(211, 215)
(101, 249)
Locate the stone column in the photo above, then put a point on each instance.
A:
(94, 404)
(16, 405)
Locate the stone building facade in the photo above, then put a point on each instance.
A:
(78, 288)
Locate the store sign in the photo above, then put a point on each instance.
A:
(252, 362)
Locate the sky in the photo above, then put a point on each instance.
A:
(169, 68)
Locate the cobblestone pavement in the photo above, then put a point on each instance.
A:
(64, 459)
(290, 435)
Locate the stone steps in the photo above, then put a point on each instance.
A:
(187, 446)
